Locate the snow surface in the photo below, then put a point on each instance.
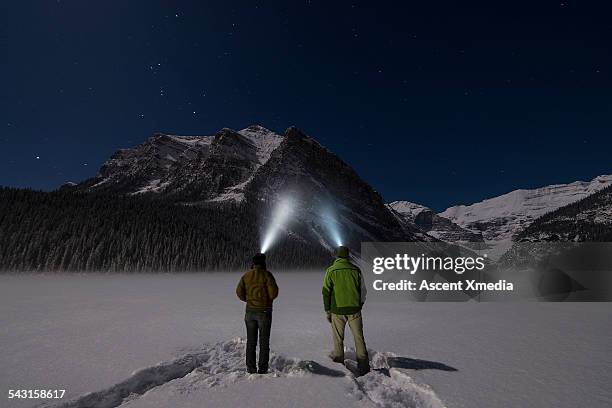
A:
(175, 341)
(509, 213)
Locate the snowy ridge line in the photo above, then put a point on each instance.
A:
(501, 217)
(222, 364)
(138, 383)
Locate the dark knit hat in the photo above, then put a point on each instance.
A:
(259, 259)
(342, 252)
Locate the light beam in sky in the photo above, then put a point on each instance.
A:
(280, 217)
(331, 225)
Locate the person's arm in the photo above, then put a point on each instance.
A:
(328, 286)
(272, 286)
(362, 289)
(241, 290)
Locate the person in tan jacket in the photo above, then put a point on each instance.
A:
(258, 289)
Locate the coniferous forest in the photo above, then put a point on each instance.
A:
(586, 220)
(72, 231)
(67, 230)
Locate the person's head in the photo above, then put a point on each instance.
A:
(259, 260)
(342, 252)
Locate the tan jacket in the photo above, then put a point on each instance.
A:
(258, 289)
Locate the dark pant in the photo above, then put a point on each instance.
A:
(258, 322)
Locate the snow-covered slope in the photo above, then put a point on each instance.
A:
(589, 219)
(502, 217)
(433, 224)
(327, 193)
(408, 209)
(263, 139)
(252, 169)
(148, 166)
(216, 166)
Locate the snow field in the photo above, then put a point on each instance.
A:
(87, 333)
(222, 365)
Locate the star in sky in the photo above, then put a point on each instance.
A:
(468, 74)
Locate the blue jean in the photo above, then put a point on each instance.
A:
(258, 324)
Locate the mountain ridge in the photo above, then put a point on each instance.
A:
(200, 203)
(586, 220)
(223, 189)
(500, 218)
(433, 224)
(252, 165)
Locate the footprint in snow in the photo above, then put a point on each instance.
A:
(222, 364)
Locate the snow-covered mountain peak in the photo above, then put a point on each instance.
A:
(603, 178)
(408, 208)
(169, 163)
(190, 140)
(256, 128)
(433, 224)
(501, 217)
(263, 139)
(248, 170)
(166, 148)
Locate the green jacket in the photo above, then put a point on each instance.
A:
(258, 289)
(343, 288)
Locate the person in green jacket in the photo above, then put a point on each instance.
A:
(258, 289)
(343, 297)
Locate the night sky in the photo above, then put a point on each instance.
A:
(439, 106)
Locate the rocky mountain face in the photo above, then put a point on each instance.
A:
(179, 203)
(433, 224)
(190, 168)
(328, 194)
(251, 170)
(254, 168)
(147, 167)
(500, 218)
(222, 173)
(557, 236)
(586, 220)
